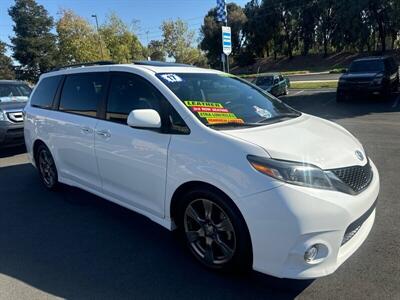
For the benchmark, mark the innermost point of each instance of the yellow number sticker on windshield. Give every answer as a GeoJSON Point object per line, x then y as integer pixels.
{"type": "Point", "coordinates": [203, 104]}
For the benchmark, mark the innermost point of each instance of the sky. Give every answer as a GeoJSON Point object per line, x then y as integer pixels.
{"type": "Point", "coordinates": [148, 13]}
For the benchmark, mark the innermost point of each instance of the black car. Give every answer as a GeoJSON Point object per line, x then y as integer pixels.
{"type": "Point", "coordinates": [371, 75]}
{"type": "Point", "coordinates": [274, 84]}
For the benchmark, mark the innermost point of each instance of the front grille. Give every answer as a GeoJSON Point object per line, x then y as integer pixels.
{"type": "Point", "coordinates": [356, 177]}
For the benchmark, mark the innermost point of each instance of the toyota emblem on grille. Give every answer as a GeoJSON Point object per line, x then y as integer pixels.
{"type": "Point", "coordinates": [359, 155]}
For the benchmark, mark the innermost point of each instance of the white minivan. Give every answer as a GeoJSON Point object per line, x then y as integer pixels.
{"type": "Point", "coordinates": [248, 181]}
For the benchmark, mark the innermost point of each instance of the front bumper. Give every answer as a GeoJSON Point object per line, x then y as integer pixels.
{"type": "Point", "coordinates": [361, 89]}
{"type": "Point", "coordinates": [285, 221]}
{"type": "Point", "coordinates": [11, 133]}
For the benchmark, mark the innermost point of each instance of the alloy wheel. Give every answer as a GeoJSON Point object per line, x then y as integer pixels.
{"type": "Point", "coordinates": [209, 231]}
{"type": "Point", "coordinates": [47, 168]}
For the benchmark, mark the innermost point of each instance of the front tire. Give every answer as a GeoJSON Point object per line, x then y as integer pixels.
{"type": "Point", "coordinates": [286, 91]}
{"type": "Point", "coordinates": [47, 168]}
{"type": "Point", "coordinates": [215, 231]}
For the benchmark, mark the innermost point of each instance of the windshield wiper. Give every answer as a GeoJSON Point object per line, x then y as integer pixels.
{"type": "Point", "coordinates": [279, 117]}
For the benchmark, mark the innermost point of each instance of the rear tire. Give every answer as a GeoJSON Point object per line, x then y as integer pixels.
{"type": "Point", "coordinates": [214, 231]}
{"type": "Point", "coordinates": [47, 168]}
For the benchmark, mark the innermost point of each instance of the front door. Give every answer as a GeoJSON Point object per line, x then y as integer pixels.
{"type": "Point", "coordinates": [132, 162]}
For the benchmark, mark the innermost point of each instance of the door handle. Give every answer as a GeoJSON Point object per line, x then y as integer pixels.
{"type": "Point", "coordinates": [103, 133]}
{"type": "Point", "coordinates": [86, 130]}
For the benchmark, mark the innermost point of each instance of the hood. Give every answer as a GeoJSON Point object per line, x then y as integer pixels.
{"type": "Point", "coordinates": [12, 105]}
{"type": "Point", "coordinates": [306, 139]}
{"type": "Point", "coordinates": [368, 75]}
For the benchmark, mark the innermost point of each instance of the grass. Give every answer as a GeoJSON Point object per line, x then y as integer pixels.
{"type": "Point", "coordinates": [313, 85]}
{"type": "Point", "coordinates": [287, 73]}
{"type": "Point", "coordinates": [283, 73]}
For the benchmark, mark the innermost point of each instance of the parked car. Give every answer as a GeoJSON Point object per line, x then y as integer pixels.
{"type": "Point", "coordinates": [369, 76]}
{"type": "Point", "coordinates": [274, 84]}
{"type": "Point", "coordinates": [13, 97]}
{"type": "Point", "coordinates": [248, 181]}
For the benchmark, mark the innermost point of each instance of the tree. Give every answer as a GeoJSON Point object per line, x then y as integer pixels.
{"type": "Point", "coordinates": [177, 38]}
{"type": "Point", "coordinates": [155, 50]}
{"type": "Point", "coordinates": [6, 67]}
{"type": "Point", "coordinates": [78, 41]}
{"type": "Point", "coordinates": [178, 42]}
{"type": "Point", "coordinates": [326, 23]}
{"type": "Point", "coordinates": [34, 46]}
{"type": "Point", "coordinates": [121, 42]}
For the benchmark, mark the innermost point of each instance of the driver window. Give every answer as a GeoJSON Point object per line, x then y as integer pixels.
{"type": "Point", "coordinates": [129, 92]}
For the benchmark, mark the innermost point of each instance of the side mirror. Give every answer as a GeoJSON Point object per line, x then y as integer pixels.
{"type": "Point", "coordinates": [144, 118]}
{"type": "Point", "coordinates": [276, 81]}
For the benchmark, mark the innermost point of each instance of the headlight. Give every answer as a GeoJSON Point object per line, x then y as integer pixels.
{"type": "Point", "coordinates": [298, 173]}
{"type": "Point", "coordinates": [378, 79]}
{"type": "Point", "coordinates": [2, 116]}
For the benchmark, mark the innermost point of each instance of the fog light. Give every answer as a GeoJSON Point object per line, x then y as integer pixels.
{"type": "Point", "coordinates": [311, 253]}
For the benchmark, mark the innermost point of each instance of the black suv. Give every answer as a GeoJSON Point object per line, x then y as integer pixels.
{"type": "Point", "coordinates": [371, 75]}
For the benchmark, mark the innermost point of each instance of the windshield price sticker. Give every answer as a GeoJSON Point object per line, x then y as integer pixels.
{"type": "Point", "coordinates": [222, 120]}
{"type": "Point", "coordinates": [203, 104]}
{"type": "Point", "coordinates": [213, 112]}
{"type": "Point", "coordinates": [217, 115]}
{"type": "Point", "coordinates": [208, 109]}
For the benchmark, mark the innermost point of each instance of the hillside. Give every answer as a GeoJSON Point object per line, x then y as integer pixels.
{"type": "Point", "coordinates": [310, 63]}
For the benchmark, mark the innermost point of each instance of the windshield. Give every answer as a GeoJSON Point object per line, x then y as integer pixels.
{"type": "Point", "coordinates": [264, 81]}
{"type": "Point", "coordinates": [14, 92]}
{"type": "Point", "coordinates": [220, 99]}
{"type": "Point", "coordinates": [366, 66]}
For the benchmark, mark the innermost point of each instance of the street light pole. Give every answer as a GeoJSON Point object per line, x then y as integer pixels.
{"type": "Point", "coordinates": [98, 35]}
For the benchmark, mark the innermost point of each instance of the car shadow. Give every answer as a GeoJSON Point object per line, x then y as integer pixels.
{"type": "Point", "coordinates": [323, 104]}
{"type": "Point", "coordinates": [12, 150]}
{"type": "Point", "coordinates": [73, 244]}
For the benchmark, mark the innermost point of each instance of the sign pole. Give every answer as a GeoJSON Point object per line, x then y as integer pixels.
{"type": "Point", "coordinates": [227, 55]}
{"type": "Point", "coordinates": [226, 46]}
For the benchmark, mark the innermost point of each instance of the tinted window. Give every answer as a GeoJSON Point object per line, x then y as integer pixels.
{"type": "Point", "coordinates": [264, 81]}
{"type": "Point", "coordinates": [45, 92]}
{"type": "Point", "coordinates": [82, 93]}
{"type": "Point", "coordinates": [129, 92]}
{"type": "Point", "coordinates": [367, 66]}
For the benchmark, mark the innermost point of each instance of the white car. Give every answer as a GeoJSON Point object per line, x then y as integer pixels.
{"type": "Point", "coordinates": [247, 180]}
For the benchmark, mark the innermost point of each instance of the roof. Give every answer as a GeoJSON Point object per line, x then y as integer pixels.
{"type": "Point", "coordinates": [12, 81]}
{"type": "Point", "coordinates": [372, 58]}
{"type": "Point", "coordinates": [153, 66]}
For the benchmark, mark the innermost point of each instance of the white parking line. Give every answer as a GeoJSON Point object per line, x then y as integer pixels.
{"type": "Point", "coordinates": [297, 93]}
{"type": "Point", "coordinates": [396, 102]}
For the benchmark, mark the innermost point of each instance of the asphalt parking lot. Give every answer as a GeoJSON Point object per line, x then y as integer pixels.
{"type": "Point", "coordinates": [74, 245]}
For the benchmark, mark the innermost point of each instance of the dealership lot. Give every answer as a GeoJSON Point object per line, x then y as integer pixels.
{"type": "Point", "coordinates": [76, 245]}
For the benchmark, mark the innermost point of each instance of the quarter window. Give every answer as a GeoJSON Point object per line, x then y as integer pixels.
{"type": "Point", "coordinates": [44, 93]}
{"type": "Point", "coordinates": [129, 92]}
{"type": "Point", "coordinates": [82, 93]}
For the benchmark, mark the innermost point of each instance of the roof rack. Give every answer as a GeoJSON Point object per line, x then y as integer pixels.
{"type": "Point", "coordinates": [94, 63]}
{"type": "Point", "coordinates": [156, 63]}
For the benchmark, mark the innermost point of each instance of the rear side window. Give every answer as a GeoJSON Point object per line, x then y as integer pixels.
{"type": "Point", "coordinates": [44, 93]}
{"type": "Point", "coordinates": [129, 92]}
{"type": "Point", "coordinates": [82, 93]}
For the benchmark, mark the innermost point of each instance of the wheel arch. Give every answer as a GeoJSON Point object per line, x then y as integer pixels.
{"type": "Point", "coordinates": [190, 185]}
